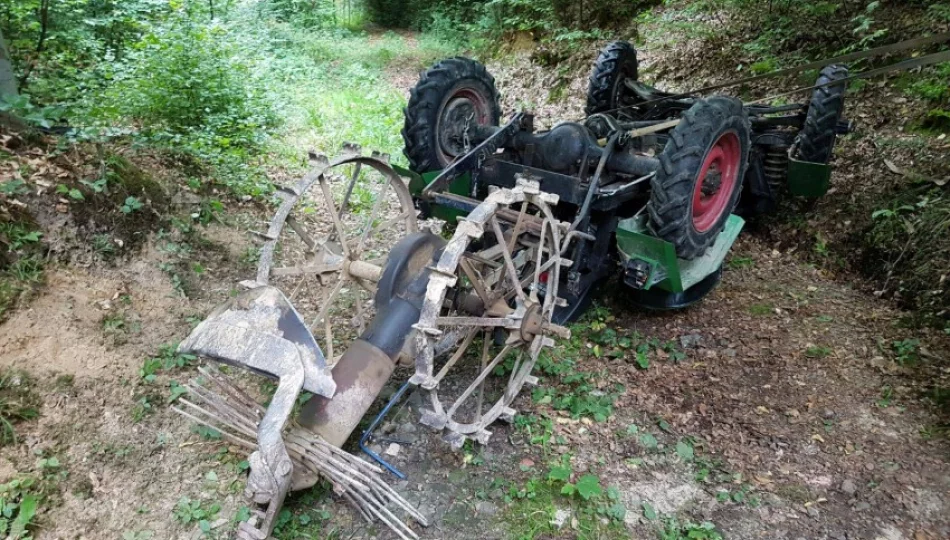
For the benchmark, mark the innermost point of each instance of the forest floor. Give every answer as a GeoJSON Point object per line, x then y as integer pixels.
{"type": "Point", "coordinates": [788, 404]}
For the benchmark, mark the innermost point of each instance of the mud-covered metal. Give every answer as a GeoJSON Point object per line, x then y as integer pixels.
{"type": "Point", "coordinates": [261, 331]}
{"type": "Point", "coordinates": [336, 260]}
{"type": "Point", "coordinates": [513, 271]}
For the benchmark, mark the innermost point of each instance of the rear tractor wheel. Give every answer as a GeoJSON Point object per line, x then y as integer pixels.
{"type": "Point", "coordinates": [451, 99]}
{"type": "Point", "coordinates": [700, 175]}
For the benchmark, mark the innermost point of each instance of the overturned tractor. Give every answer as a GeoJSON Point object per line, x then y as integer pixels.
{"type": "Point", "coordinates": [352, 282]}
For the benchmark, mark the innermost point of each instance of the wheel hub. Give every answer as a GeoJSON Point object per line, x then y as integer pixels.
{"type": "Point", "coordinates": [457, 119]}
{"type": "Point", "coordinates": [716, 182]}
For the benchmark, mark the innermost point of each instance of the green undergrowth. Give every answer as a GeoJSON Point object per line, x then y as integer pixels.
{"type": "Point", "coordinates": [334, 88]}
{"type": "Point", "coordinates": [306, 516]}
{"type": "Point", "coordinates": [575, 374]}
{"type": "Point", "coordinates": [241, 87]}
{"type": "Point", "coordinates": [18, 402]}
{"type": "Point", "coordinates": [25, 498]}
{"type": "Point", "coordinates": [908, 247]}
{"type": "Point", "coordinates": [22, 261]}
{"type": "Point", "coordinates": [562, 500]}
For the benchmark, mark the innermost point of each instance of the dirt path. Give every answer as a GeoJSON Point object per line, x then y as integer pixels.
{"type": "Point", "coordinates": [782, 409]}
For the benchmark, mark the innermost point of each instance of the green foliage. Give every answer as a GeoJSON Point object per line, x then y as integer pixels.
{"type": "Point", "coordinates": [18, 505]}
{"type": "Point", "coordinates": [168, 359]}
{"type": "Point", "coordinates": [17, 235]}
{"type": "Point", "coordinates": [558, 20]}
{"type": "Point", "coordinates": [181, 80]}
{"type": "Point", "coordinates": [130, 205]}
{"type": "Point", "coordinates": [188, 511]}
{"type": "Point", "coordinates": [14, 187]}
{"type": "Point", "coordinates": [906, 351]}
{"type": "Point", "coordinates": [22, 107]}
{"type": "Point", "coordinates": [18, 402]}
{"type": "Point", "coordinates": [21, 498]}
{"type": "Point", "coordinates": [673, 529]}
{"type": "Point", "coordinates": [914, 216]}
{"type": "Point", "coordinates": [304, 516]}
{"type": "Point", "coordinates": [598, 512]}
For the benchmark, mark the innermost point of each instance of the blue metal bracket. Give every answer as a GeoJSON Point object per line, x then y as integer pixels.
{"type": "Point", "coordinates": [368, 434]}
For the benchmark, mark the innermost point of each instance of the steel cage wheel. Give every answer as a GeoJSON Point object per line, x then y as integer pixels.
{"type": "Point", "coordinates": [504, 260]}
{"type": "Point", "coordinates": [327, 244]}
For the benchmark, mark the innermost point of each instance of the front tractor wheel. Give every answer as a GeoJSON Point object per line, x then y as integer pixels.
{"type": "Point", "coordinates": [451, 99]}
{"type": "Point", "coordinates": [816, 142]}
{"type": "Point", "coordinates": [607, 90]}
{"type": "Point", "coordinates": [700, 175]}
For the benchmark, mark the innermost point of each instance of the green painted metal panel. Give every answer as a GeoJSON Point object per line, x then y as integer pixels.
{"type": "Point", "coordinates": [806, 179]}
{"type": "Point", "coordinates": [634, 241]}
{"type": "Point", "coordinates": [460, 186]}
{"type": "Point", "coordinates": [670, 272]}
{"type": "Point", "coordinates": [416, 183]}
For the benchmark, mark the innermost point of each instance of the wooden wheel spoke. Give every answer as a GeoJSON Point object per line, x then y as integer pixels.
{"type": "Point", "coordinates": [349, 188]}
{"type": "Point", "coordinates": [328, 301]}
{"type": "Point", "coordinates": [476, 282]}
{"type": "Point", "coordinates": [389, 223]}
{"type": "Point", "coordinates": [368, 224]}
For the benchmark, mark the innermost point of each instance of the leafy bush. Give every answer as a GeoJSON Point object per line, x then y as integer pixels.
{"type": "Point", "coordinates": [182, 84]}
{"type": "Point", "coordinates": [495, 17]}
{"type": "Point", "coordinates": [916, 217]}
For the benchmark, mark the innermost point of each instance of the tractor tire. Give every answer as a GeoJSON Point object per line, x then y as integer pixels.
{"type": "Point", "coordinates": [616, 63]}
{"type": "Point", "coordinates": [439, 112]}
{"type": "Point", "coordinates": [700, 176]}
{"type": "Point", "coordinates": [816, 141]}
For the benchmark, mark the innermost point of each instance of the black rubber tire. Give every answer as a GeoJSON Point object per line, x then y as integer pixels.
{"type": "Point", "coordinates": [671, 195]}
{"type": "Point", "coordinates": [616, 62]}
{"type": "Point", "coordinates": [427, 99]}
{"type": "Point", "coordinates": [816, 141]}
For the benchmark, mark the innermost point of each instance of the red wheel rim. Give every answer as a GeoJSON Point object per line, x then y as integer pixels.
{"type": "Point", "coordinates": [716, 181]}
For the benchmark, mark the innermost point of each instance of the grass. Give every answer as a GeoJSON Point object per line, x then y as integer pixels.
{"type": "Point", "coordinates": [24, 274]}
{"type": "Point", "coordinates": [18, 402]}
{"type": "Point", "coordinates": [330, 85]}
{"type": "Point", "coordinates": [533, 509]}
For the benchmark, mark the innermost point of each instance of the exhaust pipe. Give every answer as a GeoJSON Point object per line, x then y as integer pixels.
{"type": "Point", "coordinates": [365, 368]}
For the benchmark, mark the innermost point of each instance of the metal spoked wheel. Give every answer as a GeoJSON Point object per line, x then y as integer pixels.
{"type": "Point", "coordinates": [487, 312]}
{"type": "Point", "coordinates": [328, 242]}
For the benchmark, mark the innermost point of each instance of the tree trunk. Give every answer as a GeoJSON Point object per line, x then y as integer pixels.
{"type": "Point", "coordinates": [7, 77]}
